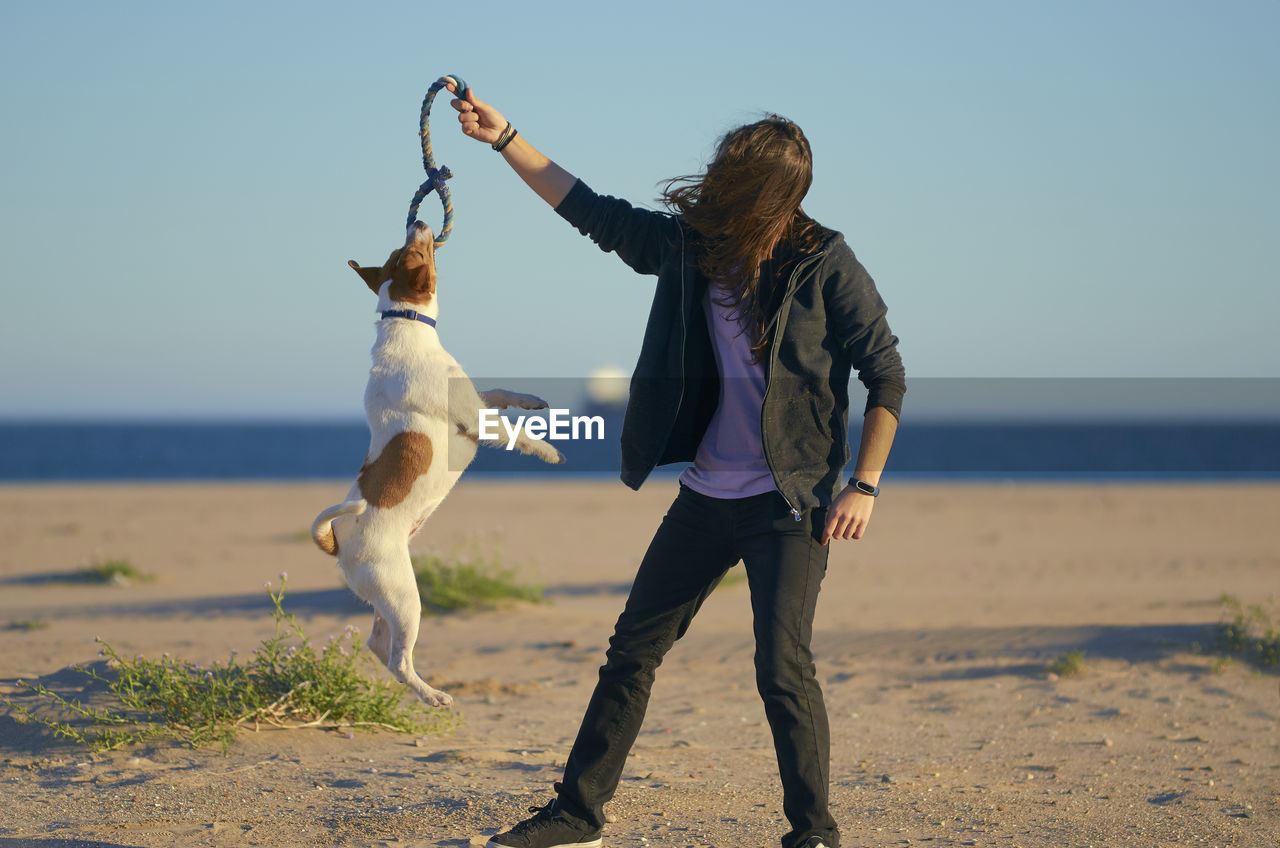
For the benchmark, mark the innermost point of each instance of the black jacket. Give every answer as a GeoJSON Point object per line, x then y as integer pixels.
{"type": "Point", "coordinates": [830, 321]}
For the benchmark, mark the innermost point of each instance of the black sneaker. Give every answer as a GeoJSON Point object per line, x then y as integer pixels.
{"type": "Point", "coordinates": [814, 842]}
{"type": "Point", "coordinates": [547, 829]}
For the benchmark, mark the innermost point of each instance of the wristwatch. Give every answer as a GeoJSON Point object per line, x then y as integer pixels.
{"type": "Point", "coordinates": [864, 487]}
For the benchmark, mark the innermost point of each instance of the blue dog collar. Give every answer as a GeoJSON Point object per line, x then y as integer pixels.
{"type": "Point", "coordinates": [411, 315]}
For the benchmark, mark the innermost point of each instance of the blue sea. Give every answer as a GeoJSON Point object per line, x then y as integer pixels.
{"type": "Point", "coordinates": [51, 451]}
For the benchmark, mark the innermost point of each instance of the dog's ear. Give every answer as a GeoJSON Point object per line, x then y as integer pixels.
{"type": "Point", "coordinates": [369, 275]}
{"type": "Point", "coordinates": [375, 277]}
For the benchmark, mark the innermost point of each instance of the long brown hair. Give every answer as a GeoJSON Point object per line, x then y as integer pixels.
{"type": "Point", "coordinates": [746, 208]}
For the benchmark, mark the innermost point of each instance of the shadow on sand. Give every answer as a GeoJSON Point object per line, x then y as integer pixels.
{"type": "Point", "coordinates": [965, 653]}
{"type": "Point", "coordinates": [337, 601]}
{"type": "Point", "coordinates": [1021, 651]}
{"type": "Point", "coordinates": [75, 578]}
{"type": "Point", "coordinates": [578, 590]}
{"type": "Point", "coordinates": [32, 739]}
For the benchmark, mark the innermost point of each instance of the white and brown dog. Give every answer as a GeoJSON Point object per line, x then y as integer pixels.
{"type": "Point", "coordinates": [424, 417]}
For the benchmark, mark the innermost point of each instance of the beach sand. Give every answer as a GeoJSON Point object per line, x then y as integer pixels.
{"type": "Point", "coordinates": [932, 638]}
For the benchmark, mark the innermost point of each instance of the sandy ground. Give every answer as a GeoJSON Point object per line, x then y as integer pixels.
{"type": "Point", "coordinates": [932, 638]}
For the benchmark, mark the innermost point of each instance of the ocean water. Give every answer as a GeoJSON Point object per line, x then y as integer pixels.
{"type": "Point", "coordinates": [49, 451]}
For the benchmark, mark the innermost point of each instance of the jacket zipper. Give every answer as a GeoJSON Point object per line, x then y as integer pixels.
{"type": "Point", "coordinates": [684, 330]}
{"type": "Point", "coordinates": [773, 359]}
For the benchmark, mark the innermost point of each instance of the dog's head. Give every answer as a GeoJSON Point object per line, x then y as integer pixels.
{"type": "Point", "coordinates": [411, 269]}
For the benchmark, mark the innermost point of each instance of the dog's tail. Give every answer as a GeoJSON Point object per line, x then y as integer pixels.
{"type": "Point", "coordinates": [322, 527]}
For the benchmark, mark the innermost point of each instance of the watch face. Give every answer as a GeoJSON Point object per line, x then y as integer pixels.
{"type": "Point", "coordinates": [865, 487]}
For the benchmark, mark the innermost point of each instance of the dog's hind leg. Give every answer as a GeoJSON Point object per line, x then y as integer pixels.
{"type": "Point", "coordinates": [379, 641]}
{"type": "Point", "coordinates": [400, 612]}
{"type": "Point", "coordinates": [403, 626]}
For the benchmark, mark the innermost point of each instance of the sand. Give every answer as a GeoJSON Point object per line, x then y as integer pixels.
{"type": "Point", "coordinates": [932, 636]}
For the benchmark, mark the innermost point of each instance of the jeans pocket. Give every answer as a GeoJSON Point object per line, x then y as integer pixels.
{"type": "Point", "coordinates": [818, 522]}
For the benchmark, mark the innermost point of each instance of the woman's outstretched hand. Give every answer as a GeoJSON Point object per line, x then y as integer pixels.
{"type": "Point", "coordinates": [479, 120]}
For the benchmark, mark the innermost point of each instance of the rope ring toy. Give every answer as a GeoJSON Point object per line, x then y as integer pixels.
{"type": "Point", "coordinates": [435, 176]}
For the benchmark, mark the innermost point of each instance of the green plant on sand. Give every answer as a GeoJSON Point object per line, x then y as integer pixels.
{"type": "Point", "coordinates": [1070, 663]}
{"type": "Point", "coordinates": [1248, 631]}
{"type": "Point", "coordinates": [456, 583]}
{"type": "Point", "coordinates": [28, 624]}
{"type": "Point", "coordinates": [111, 571]}
{"type": "Point", "coordinates": [287, 682]}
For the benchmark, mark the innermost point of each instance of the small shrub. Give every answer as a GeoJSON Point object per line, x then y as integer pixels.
{"type": "Point", "coordinates": [1067, 665]}
{"type": "Point", "coordinates": [457, 584]}
{"type": "Point", "coordinates": [1248, 631]}
{"type": "Point", "coordinates": [111, 571]}
{"type": "Point", "coordinates": [286, 683]}
{"type": "Point", "coordinates": [28, 624]}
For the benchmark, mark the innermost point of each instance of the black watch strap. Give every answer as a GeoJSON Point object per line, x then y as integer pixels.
{"type": "Point", "coordinates": [864, 487]}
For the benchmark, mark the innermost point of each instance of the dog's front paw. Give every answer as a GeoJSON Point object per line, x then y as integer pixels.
{"type": "Point", "coordinates": [528, 401]}
{"type": "Point", "coordinates": [503, 399]}
{"type": "Point", "coordinates": [550, 455]}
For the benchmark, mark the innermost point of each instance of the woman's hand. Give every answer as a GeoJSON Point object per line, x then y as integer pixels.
{"type": "Point", "coordinates": [485, 123]}
{"type": "Point", "coordinates": [848, 515]}
{"type": "Point", "coordinates": [479, 120]}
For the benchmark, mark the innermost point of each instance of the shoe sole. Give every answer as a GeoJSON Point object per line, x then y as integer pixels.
{"type": "Point", "coordinates": [595, 843]}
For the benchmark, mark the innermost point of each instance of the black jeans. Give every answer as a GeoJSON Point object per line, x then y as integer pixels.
{"type": "Point", "coordinates": [699, 540]}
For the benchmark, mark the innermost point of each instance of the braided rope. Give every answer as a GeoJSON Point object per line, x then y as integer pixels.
{"type": "Point", "coordinates": [435, 176]}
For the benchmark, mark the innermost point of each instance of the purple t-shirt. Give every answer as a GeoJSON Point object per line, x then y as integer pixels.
{"type": "Point", "coordinates": [730, 460]}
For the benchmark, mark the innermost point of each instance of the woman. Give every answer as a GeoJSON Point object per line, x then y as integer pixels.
{"type": "Point", "coordinates": [758, 317]}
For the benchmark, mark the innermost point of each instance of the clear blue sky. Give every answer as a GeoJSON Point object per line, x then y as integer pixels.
{"type": "Point", "coordinates": [1079, 189]}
